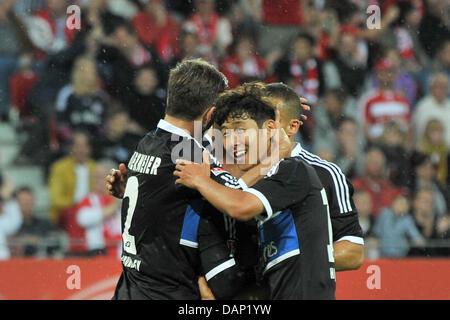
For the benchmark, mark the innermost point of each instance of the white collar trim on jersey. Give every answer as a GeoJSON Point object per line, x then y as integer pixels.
{"type": "Point", "coordinates": [163, 124]}
{"type": "Point", "coordinates": [297, 149]}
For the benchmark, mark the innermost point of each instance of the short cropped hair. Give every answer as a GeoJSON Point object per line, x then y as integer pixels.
{"type": "Point", "coordinates": [194, 85]}
{"type": "Point", "coordinates": [291, 101]}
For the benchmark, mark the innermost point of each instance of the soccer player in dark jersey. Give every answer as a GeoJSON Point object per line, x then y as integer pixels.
{"type": "Point", "coordinates": [347, 234]}
{"type": "Point", "coordinates": [290, 203]}
{"type": "Point", "coordinates": [166, 244]}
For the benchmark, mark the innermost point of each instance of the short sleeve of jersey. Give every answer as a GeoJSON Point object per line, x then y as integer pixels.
{"type": "Point", "coordinates": [343, 213]}
{"type": "Point", "coordinates": [287, 183]}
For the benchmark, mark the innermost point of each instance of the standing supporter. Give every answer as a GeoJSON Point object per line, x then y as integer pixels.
{"type": "Point", "coordinates": [213, 32]}
{"type": "Point", "coordinates": [245, 64]}
{"type": "Point", "coordinates": [94, 224]}
{"type": "Point", "coordinates": [384, 104]}
{"type": "Point", "coordinates": [155, 26]}
{"type": "Point", "coordinates": [10, 222]}
{"type": "Point", "coordinates": [373, 180]}
{"type": "Point", "coordinates": [81, 105]}
{"type": "Point", "coordinates": [145, 101]}
{"type": "Point", "coordinates": [70, 178]}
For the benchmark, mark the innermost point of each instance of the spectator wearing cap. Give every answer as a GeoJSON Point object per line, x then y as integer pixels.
{"type": "Point", "coordinates": [435, 105]}
{"type": "Point", "coordinates": [384, 104]}
{"type": "Point", "coordinates": [156, 27]}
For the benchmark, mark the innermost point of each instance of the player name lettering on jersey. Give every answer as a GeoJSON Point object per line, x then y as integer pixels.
{"type": "Point", "coordinates": [144, 163]}
{"type": "Point", "coordinates": [130, 262]}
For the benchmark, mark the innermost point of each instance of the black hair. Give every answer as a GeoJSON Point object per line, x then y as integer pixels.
{"type": "Point", "coordinates": [291, 101]}
{"type": "Point", "coordinates": [307, 36]}
{"type": "Point", "coordinates": [194, 85]}
{"type": "Point", "coordinates": [23, 189]}
{"type": "Point", "coordinates": [246, 101]}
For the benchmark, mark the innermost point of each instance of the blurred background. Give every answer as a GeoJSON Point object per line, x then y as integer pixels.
{"type": "Point", "coordinates": [74, 103]}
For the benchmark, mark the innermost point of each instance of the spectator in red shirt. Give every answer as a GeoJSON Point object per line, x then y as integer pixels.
{"type": "Point", "coordinates": [381, 190]}
{"type": "Point", "coordinates": [156, 27]}
{"type": "Point", "coordinates": [283, 12]}
{"type": "Point", "coordinates": [244, 65]}
{"type": "Point", "coordinates": [384, 104]}
{"type": "Point", "coordinates": [213, 32]}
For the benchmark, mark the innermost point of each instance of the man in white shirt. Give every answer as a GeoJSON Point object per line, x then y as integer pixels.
{"type": "Point", "coordinates": [436, 105]}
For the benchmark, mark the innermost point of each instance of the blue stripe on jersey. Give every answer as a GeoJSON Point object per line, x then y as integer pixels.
{"type": "Point", "coordinates": [340, 183]}
{"type": "Point", "coordinates": [190, 228]}
{"type": "Point", "coordinates": [278, 239]}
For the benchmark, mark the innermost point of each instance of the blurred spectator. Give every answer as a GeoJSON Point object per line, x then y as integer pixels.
{"type": "Point", "coordinates": [384, 104]}
{"type": "Point", "coordinates": [433, 144]}
{"type": "Point", "coordinates": [327, 116]}
{"type": "Point", "coordinates": [213, 32]}
{"type": "Point", "coordinates": [405, 32]}
{"type": "Point", "coordinates": [95, 222]}
{"type": "Point", "coordinates": [346, 68]}
{"type": "Point", "coordinates": [244, 65]}
{"type": "Point", "coordinates": [81, 105]}
{"type": "Point", "coordinates": [10, 222]}
{"type": "Point", "coordinates": [431, 226]}
{"type": "Point", "coordinates": [436, 105]}
{"type": "Point", "coordinates": [117, 142]}
{"type": "Point", "coordinates": [281, 21]}
{"type": "Point", "coordinates": [155, 26]}
{"type": "Point", "coordinates": [48, 30]}
{"type": "Point", "coordinates": [440, 64]}
{"type": "Point", "coordinates": [349, 148]}
{"type": "Point", "coordinates": [70, 178]}
{"type": "Point", "coordinates": [6, 188]}
{"type": "Point", "coordinates": [393, 144]}
{"type": "Point", "coordinates": [363, 203]}
{"type": "Point", "coordinates": [145, 101]}
{"type": "Point", "coordinates": [424, 177]}
{"type": "Point", "coordinates": [373, 180]}
{"type": "Point", "coordinates": [396, 229]}
{"type": "Point", "coordinates": [435, 26]}
{"type": "Point", "coordinates": [13, 44]}
{"type": "Point", "coordinates": [36, 237]}
{"type": "Point", "coordinates": [300, 69]}
{"type": "Point", "coordinates": [188, 46]}
{"type": "Point", "coordinates": [121, 54]}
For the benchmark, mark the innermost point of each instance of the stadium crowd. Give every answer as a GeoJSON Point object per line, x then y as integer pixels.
{"type": "Point", "coordinates": [380, 104]}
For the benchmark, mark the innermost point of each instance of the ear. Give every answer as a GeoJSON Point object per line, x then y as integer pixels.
{"type": "Point", "coordinates": [208, 114]}
{"type": "Point", "coordinates": [272, 127]}
{"type": "Point", "coordinates": [292, 128]}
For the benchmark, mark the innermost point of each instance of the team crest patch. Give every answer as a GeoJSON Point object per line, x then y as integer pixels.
{"type": "Point", "coordinates": [217, 171]}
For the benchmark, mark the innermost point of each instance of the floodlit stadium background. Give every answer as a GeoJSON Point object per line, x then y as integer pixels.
{"type": "Point", "coordinates": [376, 74]}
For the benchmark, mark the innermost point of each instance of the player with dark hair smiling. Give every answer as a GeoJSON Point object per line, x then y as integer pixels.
{"type": "Point", "coordinates": [296, 253]}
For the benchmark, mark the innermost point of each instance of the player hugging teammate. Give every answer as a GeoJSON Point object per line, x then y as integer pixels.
{"type": "Point", "coordinates": [267, 225]}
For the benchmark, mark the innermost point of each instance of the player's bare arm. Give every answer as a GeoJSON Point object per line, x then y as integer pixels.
{"type": "Point", "coordinates": [236, 203]}
{"type": "Point", "coordinates": [348, 255]}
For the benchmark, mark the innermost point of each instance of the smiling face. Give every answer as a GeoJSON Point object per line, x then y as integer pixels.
{"type": "Point", "coordinates": [241, 138]}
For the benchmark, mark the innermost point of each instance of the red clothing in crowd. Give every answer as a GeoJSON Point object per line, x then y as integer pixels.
{"type": "Point", "coordinates": [238, 71]}
{"type": "Point", "coordinates": [206, 33]}
{"type": "Point", "coordinates": [306, 79]}
{"type": "Point", "coordinates": [380, 107]}
{"type": "Point", "coordinates": [88, 231]}
{"type": "Point", "coordinates": [283, 12]}
{"type": "Point", "coordinates": [20, 85]}
{"type": "Point", "coordinates": [162, 37]}
{"type": "Point", "coordinates": [382, 192]}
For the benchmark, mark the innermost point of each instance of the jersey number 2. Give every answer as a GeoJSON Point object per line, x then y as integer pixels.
{"type": "Point", "coordinates": [131, 192]}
